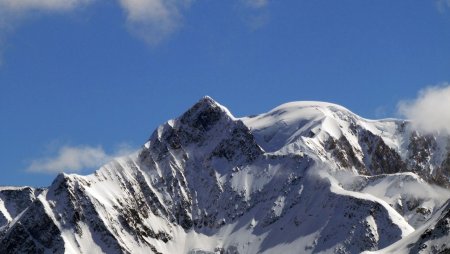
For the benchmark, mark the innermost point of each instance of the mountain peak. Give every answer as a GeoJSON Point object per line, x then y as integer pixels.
{"type": "Point", "coordinates": [208, 102]}
{"type": "Point", "coordinates": [205, 113]}
{"type": "Point", "coordinates": [207, 99]}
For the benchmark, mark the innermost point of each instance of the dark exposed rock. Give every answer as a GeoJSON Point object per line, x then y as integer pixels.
{"type": "Point", "coordinates": [379, 158]}
{"type": "Point", "coordinates": [34, 232]}
{"type": "Point", "coordinates": [442, 174]}
{"type": "Point", "coordinates": [420, 149]}
{"type": "Point", "coordinates": [203, 115]}
{"type": "Point", "coordinates": [343, 152]}
{"type": "Point", "coordinates": [440, 228]}
{"type": "Point", "coordinates": [241, 143]}
{"type": "Point", "coordinates": [16, 200]}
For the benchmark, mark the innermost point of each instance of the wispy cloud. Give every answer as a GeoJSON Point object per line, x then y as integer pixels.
{"type": "Point", "coordinates": [13, 12]}
{"type": "Point", "coordinates": [76, 159]}
{"type": "Point", "coordinates": [429, 112]}
{"type": "Point", "coordinates": [154, 20]}
{"type": "Point", "coordinates": [19, 6]}
{"type": "Point", "coordinates": [254, 13]}
{"type": "Point", "coordinates": [256, 3]}
{"type": "Point", "coordinates": [442, 5]}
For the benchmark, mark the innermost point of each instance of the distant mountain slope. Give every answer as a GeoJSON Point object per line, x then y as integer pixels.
{"type": "Point", "coordinates": [14, 200]}
{"type": "Point", "coordinates": [307, 177]}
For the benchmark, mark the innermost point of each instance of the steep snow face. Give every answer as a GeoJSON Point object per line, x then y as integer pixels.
{"type": "Point", "coordinates": [208, 182]}
{"type": "Point", "coordinates": [433, 237]}
{"type": "Point", "coordinates": [333, 134]}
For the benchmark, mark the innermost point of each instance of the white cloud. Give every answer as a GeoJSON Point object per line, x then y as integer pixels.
{"type": "Point", "coordinates": [154, 20]}
{"type": "Point", "coordinates": [13, 11]}
{"type": "Point", "coordinates": [256, 3]}
{"type": "Point", "coordinates": [430, 111]}
{"type": "Point", "coordinates": [76, 159]}
{"type": "Point", "coordinates": [18, 6]}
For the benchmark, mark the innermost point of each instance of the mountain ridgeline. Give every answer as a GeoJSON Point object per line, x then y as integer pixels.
{"type": "Point", "coordinates": [305, 177]}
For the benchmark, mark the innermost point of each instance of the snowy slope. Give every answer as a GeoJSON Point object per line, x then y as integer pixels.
{"type": "Point", "coordinates": [288, 181]}
{"type": "Point", "coordinates": [413, 198]}
{"type": "Point", "coordinates": [333, 134]}
{"type": "Point", "coordinates": [432, 237]}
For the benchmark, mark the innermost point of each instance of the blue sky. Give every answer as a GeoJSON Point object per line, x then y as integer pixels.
{"type": "Point", "coordinates": [94, 78]}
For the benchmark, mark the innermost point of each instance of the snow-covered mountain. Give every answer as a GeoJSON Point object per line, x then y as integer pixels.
{"type": "Point", "coordinates": [306, 177]}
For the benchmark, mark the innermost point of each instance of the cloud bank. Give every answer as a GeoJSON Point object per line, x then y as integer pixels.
{"type": "Point", "coordinates": [76, 159]}
{"type": "Point", "coordinates": [430, 111]}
